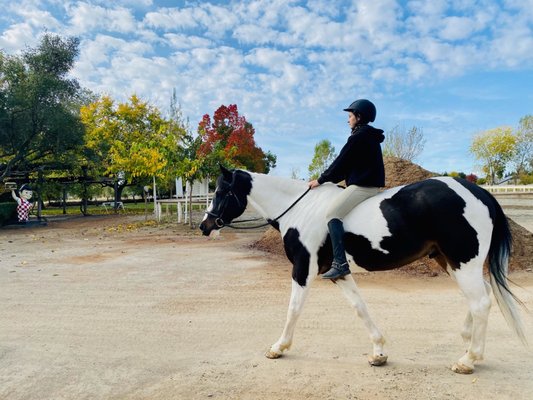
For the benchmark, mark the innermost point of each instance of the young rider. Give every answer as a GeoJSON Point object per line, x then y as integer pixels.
{"type": "Point", "coordinates": [360, 164]}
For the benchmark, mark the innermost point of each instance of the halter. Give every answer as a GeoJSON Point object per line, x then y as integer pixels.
{"type": "Point", "coordinates": [219, 222]}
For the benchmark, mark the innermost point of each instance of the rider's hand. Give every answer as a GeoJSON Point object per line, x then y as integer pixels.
{"type": "Point", "coordinates": [313, 184]}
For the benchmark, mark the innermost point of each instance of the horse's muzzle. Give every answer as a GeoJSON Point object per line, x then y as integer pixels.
{"type": "Point", "coordinates": [209, 224]}
{"type": "Point", "coordinates": [205, 230]}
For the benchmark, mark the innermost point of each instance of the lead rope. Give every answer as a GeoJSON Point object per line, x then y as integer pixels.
{"type": "Point", "coordinates": [269, 221]}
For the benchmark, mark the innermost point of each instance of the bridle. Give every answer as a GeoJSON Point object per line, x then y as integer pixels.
{"type": "Point", "coordinates": [219, 221]}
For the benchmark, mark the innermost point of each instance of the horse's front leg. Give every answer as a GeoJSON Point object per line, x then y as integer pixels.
{"type": "Point", "coordinates": [298, 297]}
{"type": "Point", "coordinates": [350, 290]}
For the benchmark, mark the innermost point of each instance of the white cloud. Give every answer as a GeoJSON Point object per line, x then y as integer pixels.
{"type": "Point", "coordinates": [85, 18]}
{"type": "Point", "coordinates": [217, 20]}
{"type": "Point", "coordinates": [38, 19]}
{"type": "Point", "coordinates": [268, 58]}
{"type": "Point", "coordinates": [182, 41]}
{"type": "Point", "coordinates": [456, 28]}
{"type": "Point", "coordinates": [513, 41]}
{"type": "Point", "coordinates": [17, 36]}
{"type": "Point", "coordinates": [250, 33]}
{"type": "Point", "coordinates": [416, 68]}
{"type": "Point", "coordinates": [171, 19]}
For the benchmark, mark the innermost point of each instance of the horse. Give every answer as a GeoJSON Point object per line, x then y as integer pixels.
{"type": "Point", "coordinates": [454, 221]}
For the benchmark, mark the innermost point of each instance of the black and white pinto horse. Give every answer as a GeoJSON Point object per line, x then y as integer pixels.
{"type": "Point", "coordinates": [456, 222]}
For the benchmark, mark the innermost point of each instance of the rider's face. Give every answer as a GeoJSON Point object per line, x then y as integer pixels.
{"type": "Point", "coordinates": [352, 119]}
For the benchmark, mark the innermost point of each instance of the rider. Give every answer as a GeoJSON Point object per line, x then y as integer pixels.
{"type": "Point", "coordinates": [360, 164]}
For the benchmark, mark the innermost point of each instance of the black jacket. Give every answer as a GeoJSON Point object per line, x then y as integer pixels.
{"type": "Point", "coordinates": [360, 161]}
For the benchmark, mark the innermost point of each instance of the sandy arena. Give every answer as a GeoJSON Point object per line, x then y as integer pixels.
{"type": "Point", "coordinates": [112, 308]}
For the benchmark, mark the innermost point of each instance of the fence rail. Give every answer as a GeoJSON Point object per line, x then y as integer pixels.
{"type": "Point", "coordinates": [510, 189]}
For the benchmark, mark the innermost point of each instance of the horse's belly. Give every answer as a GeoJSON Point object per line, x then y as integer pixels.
{"type": "Point", "coordinates": [393, 252]}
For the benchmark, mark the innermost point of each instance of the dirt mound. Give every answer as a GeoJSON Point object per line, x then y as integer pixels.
{"type": "Point", "coordinates": [522, 254]}
{"type": "Point", "coordinates": [401, 172]}
{"type": "Point", "coordinates": [270, 242]}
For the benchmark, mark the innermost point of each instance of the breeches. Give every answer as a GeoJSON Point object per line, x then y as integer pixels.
{"type": "Point", "coordinates": [348, 199]}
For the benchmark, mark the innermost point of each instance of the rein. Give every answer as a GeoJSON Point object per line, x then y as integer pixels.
{"type": "Point", "coordinates": [269, 221]}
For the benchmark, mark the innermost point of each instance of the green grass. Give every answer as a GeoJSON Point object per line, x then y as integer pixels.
{"type": "Point", "coordinates": [129, 208]}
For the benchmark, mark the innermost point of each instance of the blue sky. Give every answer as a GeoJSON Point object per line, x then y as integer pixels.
{"type": "Point", "coordinates": [452, 68]}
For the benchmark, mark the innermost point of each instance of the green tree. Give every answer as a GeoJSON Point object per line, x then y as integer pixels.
{"type": "Point", "coordinates": [404, 144]}
{"type": "Point", "coordinates": [39, 106]}
{"type": "Point", "coordinates": [324, 155]}
{"type": "Point", "coordinates": [494, 148]}
{"type": "Point", "coordinates": [523, 156]}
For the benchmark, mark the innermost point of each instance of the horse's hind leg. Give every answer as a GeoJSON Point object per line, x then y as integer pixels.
{"type": "Point", "coordinates": [350, 290]}
{"type": "Point", "coordinates": [470, 279]}
{"type": "Point", "coordinates": [298, 297]}
{"type": "Point", "coordinates": [466, 333]}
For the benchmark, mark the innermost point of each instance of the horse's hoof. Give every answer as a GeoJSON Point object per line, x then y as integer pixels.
{"type": "Point", "coordinates": [462, 369]}
{"type": "Point", "coordinates": [377, 361]}
{"type": "Point", "coordinates": [270, 354]}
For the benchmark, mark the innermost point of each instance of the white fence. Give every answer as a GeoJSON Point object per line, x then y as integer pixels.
{"type": "Point", "coordinates": [197, 195]}
{"type": "Point", "coordinates": [511, 189]}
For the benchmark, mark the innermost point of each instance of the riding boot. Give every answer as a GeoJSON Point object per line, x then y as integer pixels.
{"type": "Point", "coordinates": [339, 267]}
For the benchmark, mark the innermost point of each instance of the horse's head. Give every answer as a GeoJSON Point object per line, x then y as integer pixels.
{"type": "Point", "coordinates": [229, 202]}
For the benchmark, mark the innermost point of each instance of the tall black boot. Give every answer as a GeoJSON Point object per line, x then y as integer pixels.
{"type": "Point", "coordinates": [339, 267]}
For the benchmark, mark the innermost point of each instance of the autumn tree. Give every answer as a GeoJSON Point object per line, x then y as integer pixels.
{"type": "Point", "coordinates": [39, 105]}
{"type": "Point", "coordinates": [494, 148]}
{"type": "Point", "coordinates": [228, 138]}
{"type": "Point", "coordinates": [322, 158]}
{"type": "Point", "coordinates": [130, 141]}
{"type": "Point", "coordinates": [406, 144]}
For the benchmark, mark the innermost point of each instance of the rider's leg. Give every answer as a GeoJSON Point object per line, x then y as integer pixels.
{"type": "Point", "coordinates": [339, 267]}
{"type": "Point", "coordinates": [338, 209]}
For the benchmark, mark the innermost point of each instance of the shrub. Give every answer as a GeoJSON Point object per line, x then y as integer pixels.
{"type": "Point", "coordinates": [7, 212]}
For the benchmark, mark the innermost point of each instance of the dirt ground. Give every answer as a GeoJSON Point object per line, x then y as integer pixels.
{"type": "Point", "coordinates": [114, 308]}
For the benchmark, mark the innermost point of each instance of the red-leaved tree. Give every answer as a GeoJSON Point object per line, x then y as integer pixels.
{"type": "Point", "coordinates": [229, 138]}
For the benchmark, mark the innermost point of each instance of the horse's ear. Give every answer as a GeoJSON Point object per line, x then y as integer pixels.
{"type": "Point", "coordinates": [226, 173]}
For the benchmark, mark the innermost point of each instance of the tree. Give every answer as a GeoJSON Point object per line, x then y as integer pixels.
{"type": "Point", "coordinates": [471, 178]}
{"type": "Point", "coordinates": [324, 155]}
{"type": "Point", "coordinates": [229, 139]}
{"type": "Point", "coordinates": [404, 144]}
{"type": "Point", "coordinates": [295, 173]}
{"type": "Point", "coordinates": [130, 141]}
{"type": "Point", "coordinates": [523, 156]}
{"type": "Point", "coordinates": [39, 105]}
{"type": "Point", "coordinates": [495, 148]}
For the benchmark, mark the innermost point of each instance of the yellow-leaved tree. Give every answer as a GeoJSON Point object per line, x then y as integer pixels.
{"type": "Point", "coordinates": [130, 141]}
{"type": "Point", "coordinates": [494, 148]}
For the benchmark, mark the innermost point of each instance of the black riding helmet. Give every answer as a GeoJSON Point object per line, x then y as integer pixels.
{"type": "Point", "coordinates": [365, 108]}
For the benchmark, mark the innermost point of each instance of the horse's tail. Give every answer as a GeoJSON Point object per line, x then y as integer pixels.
{"type": "Point", "coordinates": [498, 260]}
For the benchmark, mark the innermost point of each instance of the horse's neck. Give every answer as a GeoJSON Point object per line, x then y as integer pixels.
{"type": "Point", "coordinates": [272, 195]}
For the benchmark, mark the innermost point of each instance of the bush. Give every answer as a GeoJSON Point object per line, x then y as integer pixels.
{"type": "Point", "coordinates": [526, 179]}
{"type": "Point", "coordinates": [7, 212]}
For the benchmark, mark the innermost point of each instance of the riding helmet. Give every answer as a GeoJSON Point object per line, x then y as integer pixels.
{"type": "Point", "coordinates": [365, 108]}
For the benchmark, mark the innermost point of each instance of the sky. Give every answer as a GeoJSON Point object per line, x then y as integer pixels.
{"type": "Point", "coordinates": [452, 68]}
